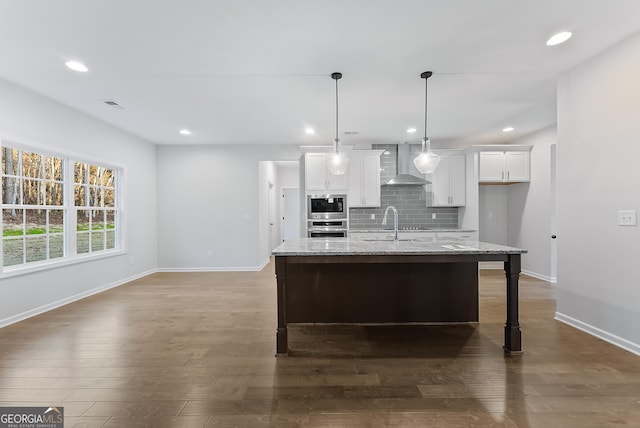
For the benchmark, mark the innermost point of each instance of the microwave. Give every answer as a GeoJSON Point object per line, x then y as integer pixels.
{"type": "Point", "coordinates": [327, 206]}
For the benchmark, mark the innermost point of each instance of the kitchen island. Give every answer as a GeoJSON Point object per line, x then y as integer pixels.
{"type": "Point", "coordinates": [381, 280]}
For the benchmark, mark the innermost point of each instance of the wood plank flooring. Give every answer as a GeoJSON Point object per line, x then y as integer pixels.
{"type": "Point", "coordinates": [197, 350]}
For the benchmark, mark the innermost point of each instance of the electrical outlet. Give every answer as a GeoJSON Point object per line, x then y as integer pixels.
{"type": "Point", "coordinates": [433, 216]}
{"type": "Point", "coordinates": [627, 218]}
{"type": "Point", "coordinates": [210, 253]}
{"type": "Point", "coordinates": [373, 216]}
{"type": "Point", "coordinates": [132, 260]}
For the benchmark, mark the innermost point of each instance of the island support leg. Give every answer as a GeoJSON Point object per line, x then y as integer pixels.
{"type": "Point", "coordinates": [282, 346]}
{"type": "Point", "coordinates": [512, 333]}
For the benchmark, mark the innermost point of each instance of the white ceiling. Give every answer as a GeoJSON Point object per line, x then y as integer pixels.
{"type": "Point", "coordinates": [258, 71]}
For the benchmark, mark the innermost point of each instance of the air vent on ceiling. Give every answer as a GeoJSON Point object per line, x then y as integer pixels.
{"type": "Point", "coordinates": [113, 104]}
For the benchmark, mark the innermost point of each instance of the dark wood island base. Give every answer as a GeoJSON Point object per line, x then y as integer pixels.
{"type": "Point", "coordinates": [431, 288]}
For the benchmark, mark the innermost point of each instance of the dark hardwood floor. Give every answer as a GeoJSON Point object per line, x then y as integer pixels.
{"type": "Point", "coordinates": [197, 349]}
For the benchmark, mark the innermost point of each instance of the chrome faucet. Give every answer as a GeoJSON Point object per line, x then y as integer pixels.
{"type": "Point", "coordinates": [395, 220]}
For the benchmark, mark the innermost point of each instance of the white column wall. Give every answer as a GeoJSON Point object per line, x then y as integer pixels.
{"type": "Point", "coordinates": [31, 119]}
{"type": "Point", "coordinates": [598, 174]}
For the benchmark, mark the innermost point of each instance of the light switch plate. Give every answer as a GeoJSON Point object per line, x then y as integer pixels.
{"type": "Point", "coordinates": [627, 218]}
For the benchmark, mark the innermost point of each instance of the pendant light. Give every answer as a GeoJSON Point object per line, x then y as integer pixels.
{"type": "Point", "coordinates": [337, 162]}
{"type": "Point", "coordinates": [427, 161]}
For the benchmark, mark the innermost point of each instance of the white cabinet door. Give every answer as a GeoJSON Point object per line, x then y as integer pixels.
{"type": "Point", "coordinates": [440, 184]}
{"type": "Point", "coordinates": [492, 166]}
{"type": "Point", "coordinates": [504, 167]}
{"type": "Point", "coordinates": [355, 182]}
{"type": "Point", "coordinates": [315, 171]}
{"type": "Point", "coordinates": [337, 182]}
{"type": "Point", "coordinates": [458, 171]}
{"type": "Point", "coordinates": [517, 166]}
{"type": "Point", "coordinates": [371, 180]}
{"type": "Point", "coordinates": [318, 177]}
{"type": "Point", "coordinates": [364, 179]}
{"type": "Point", "coordinates": [448, 182]}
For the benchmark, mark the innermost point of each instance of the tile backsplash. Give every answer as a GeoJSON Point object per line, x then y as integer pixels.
{"type": "Point", "coordinates": [410, 201]}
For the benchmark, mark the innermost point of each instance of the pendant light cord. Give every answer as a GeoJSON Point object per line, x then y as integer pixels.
{"type": "Point", "coordinates": [425, 107]}
{"type": "Point", "coordinates": [336, 109]}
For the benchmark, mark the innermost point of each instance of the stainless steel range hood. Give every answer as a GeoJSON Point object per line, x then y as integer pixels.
{"type": "Point", "coordinates": [402, 169]}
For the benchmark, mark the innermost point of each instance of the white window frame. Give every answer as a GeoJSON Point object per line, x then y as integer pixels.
{"type": "Point", "coordinates": [70, 212]}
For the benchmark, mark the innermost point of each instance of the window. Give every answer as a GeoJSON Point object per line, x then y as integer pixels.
{"type": "Point", "coordinates": [38, 224]}
{"type": "Point", "coordinates": [94, 196]}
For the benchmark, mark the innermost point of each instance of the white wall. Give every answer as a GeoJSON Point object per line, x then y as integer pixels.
{"type": "Point", "coordinates": [493, 214]}
{"type": "Point", "coordinates": [529, 207]}
{"type": "Point", "coordinates": [31, 119]}
{"type": "Point", "coordinates": [208, 199]}
{"type": "Point", "coordinates": [598, 174]}
{"type": "Point", "coordinates": [289, 176]}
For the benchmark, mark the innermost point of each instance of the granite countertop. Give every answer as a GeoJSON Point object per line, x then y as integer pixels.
{"type": "Point", "coordinates": [435, 229]}
{"type": "Point", "coordinates": [364, 246]}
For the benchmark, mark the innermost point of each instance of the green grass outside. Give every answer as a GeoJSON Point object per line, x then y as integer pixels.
{"type": "Point", "coordinates": [95, 226]}
{"type": "Point", "coordinates": [42, 230]}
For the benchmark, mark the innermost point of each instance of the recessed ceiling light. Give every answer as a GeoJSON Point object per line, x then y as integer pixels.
{"type": "Point", "coordinates": [309, 131]}
{"type": "Point", "coordinates": [556, 39]}
{"type": "Point", "coordinates": [411, 130]}
{"type": "Point", "coordinates": [185, 132]}
{"type": "Point", "coordinates": [77, 66]}
{"type": "Point", "coordinates": [507, 129]}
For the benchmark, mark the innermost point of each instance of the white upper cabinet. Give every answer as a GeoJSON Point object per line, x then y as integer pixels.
{"type": "Point", "coordinates": [448, 182]}
{"type": "Point", "coordinates": [504, 166]}
{"type": "Point", "coordinates": [317, 175]}
{"type": "Point", "coordinates": [364, 178]}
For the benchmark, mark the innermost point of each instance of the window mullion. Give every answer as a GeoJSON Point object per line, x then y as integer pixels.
{"type": "Point", "coordinates": [71, 211]}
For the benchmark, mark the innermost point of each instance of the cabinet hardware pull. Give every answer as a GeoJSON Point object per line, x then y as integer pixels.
{"type": "Point", "coordinates": [507, 175]}
{"type": "Point", "coordinates": [503, 175]}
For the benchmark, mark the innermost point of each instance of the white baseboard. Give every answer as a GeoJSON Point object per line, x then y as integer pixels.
{"type": "Point", "coordinates": [551, 279]}
{"type": "Point", "coordinates": [217, 269]}
{"type": "Point", "coordinates": [618, 341]}
{"type": "Point", "coordinates": [500, 266]}
{"type": "Point", "coordinates": [50, 306]}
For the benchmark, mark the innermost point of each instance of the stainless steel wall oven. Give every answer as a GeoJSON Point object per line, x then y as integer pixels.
{"type": "Point", "coordinates": [327, 207]}
{"type": "Point", "coordinates": [326, 228]}
{"type": "Point", "coordinates": [327, 216]}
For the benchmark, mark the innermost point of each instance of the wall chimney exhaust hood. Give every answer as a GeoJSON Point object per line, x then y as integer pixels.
{"type": "Point", "coordinates": [403, 162]}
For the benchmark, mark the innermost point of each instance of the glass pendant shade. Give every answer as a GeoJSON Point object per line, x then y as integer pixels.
{"type": "Point", "coordinates": [337, 162]}
{"type": "Point", "coordinates": [427, 161]}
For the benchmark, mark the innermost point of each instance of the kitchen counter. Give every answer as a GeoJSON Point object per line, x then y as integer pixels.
{"type": "Point", "coordinates": [435, 229]}
{"type": "Point", "coordinates": [377, 280]}
{"type": "Point", "coordinates": [384, 246]}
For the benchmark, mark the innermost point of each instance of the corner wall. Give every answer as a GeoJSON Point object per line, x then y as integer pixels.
{"type": "Point", "coordinates": [598, 174]}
